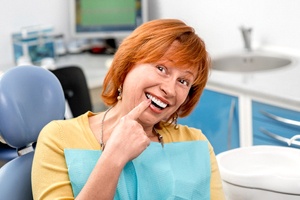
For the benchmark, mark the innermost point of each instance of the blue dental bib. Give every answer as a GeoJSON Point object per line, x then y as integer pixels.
{"type": "Point", "coordinates": [180, 170]}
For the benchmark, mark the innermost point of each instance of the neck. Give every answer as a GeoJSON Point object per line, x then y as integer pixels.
{"type": "Point", "coordinates": [115, 113]}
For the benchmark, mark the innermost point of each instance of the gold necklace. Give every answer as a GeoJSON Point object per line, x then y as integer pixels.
{"type": "Point", "coordinates": [102, 144]}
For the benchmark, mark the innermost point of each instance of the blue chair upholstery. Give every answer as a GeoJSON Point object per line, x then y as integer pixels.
{"type": "Point", "coordinates": [30, 97]}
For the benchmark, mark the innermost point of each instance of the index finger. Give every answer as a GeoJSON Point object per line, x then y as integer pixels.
{"type": "Point", "coordinates": [139, 109]}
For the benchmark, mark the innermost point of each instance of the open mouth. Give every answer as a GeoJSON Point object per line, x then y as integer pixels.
{"type": "Point", "coordinates": [156, 102]}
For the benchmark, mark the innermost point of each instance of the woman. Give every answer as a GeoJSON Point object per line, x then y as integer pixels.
{"type": "Point", "coordinates": [135, 149]}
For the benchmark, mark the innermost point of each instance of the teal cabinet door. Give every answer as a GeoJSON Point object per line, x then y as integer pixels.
{"type": "Point", "coordinates": [217, 116]}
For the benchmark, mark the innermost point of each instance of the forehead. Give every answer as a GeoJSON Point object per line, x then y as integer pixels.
{"type": "Point", "coordinates": [175, 56]}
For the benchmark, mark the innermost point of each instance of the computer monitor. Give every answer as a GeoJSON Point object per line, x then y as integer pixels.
{"type": "Point", "coordinates": [106, 18]}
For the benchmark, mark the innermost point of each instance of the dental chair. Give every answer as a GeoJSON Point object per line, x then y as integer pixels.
{"type": "Point", "coordinates": [74, 84]}
{"type": "Point", "coordinates": [30, 97]}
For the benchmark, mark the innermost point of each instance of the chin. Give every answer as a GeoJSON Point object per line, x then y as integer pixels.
{"type": "Point", "coordinates": [148, 120]}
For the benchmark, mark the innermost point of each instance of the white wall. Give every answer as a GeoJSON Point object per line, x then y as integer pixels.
{"type": "Point", "coordinates": [274, 22]}
{"type": "Point", "coordinates": [15, 14]}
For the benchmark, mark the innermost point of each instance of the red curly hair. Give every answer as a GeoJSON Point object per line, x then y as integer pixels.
{"type": "Point", "coordinates": [147, 44]}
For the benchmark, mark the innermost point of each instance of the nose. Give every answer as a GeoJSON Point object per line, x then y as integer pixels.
{"type": "Point", "coordinates": [168, 88]}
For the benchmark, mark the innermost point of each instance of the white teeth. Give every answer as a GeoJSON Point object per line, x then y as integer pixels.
{"type": "Point", "coordinates": [157, 101]}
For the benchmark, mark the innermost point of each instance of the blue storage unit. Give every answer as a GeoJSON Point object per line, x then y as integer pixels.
{"type": "Point", "coordinates": [217, 116]}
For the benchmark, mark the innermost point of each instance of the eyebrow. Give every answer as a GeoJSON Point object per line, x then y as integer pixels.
{"type": "Point", "coordinates": [186, 71]}
{"type": "Point", "coordinates": [191, 73]}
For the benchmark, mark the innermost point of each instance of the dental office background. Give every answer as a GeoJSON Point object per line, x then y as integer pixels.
{"type": "Point", "coordinates": [275, 23]}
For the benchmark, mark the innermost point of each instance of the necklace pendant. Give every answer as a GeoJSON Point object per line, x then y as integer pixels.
{"type": "Point", "coordinates": [159, 137]}
{"type": "Point", "coordinates": [102, 145]}
{"type": "Point", "coordinates": [161, 140]}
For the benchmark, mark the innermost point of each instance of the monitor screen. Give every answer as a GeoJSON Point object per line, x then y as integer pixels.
{"type": "Point", "coordinates": [106, 18]}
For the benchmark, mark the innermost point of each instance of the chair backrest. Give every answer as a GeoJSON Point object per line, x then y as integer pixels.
{"type": "Point", "coordinates": [30, 97]}
{"type": "Point", "coordinates": [73, 81]}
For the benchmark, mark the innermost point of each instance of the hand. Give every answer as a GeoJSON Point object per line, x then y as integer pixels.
{"type": "Point", "coordinates": [128, 139]}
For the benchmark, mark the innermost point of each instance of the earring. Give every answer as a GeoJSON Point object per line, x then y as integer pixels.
{"type": "Point", "coordinates": [175, 121]}
{"type": "Point", "coordinates": [119, 93]}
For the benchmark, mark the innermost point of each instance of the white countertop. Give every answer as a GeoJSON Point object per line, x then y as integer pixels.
{"type": "Point", "coordinates": [94, 66]}
{"type": "Point", "coordinates": [281, 84]}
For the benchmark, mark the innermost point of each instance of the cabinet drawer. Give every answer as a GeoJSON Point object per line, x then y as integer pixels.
{"type": "Point", "coordinates": [274, 114]}
{"type": "Point", "coordinates": [263, 133]}
{"type": "Point", "coordinates": [274, 125]}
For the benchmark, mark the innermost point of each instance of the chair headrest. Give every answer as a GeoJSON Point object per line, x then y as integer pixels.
{"type": "Point", "coordinates": [30, 97]}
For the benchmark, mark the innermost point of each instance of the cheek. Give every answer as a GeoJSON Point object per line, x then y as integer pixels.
{"type": "Point", "coordinates": [182, 96]}
{"type": "Point", "coordinates": [132, 90]}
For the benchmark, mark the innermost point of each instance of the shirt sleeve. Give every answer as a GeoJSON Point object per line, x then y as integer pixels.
{"type": "Point", "coordinates": [216, 188]}
{"type": "Point", "coordinates": [50, 178]}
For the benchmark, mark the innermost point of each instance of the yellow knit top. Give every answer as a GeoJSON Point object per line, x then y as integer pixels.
{"type": "Point", "coordinates": [50, 178]}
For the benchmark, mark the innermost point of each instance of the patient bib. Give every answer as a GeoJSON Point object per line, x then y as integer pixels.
{"type": "Point", "coordinates": [180, 170]}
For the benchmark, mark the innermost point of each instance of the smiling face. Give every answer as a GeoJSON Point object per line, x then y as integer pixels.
{"type": "Point", "coordinates": [164, 82]}
{"type": "Point", "coordinates": [170, 44]}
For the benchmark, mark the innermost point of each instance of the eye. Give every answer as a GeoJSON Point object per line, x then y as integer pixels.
{"type": "Point", "coordinates": [184, 82]}
{"type": "Point", "coordinates": [161, 68]}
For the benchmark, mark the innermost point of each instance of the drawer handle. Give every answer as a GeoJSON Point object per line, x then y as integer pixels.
{"type": "Point", "coordinates": [295, 137]}
{"type": "Point", "coordinates": [280, 119]}
{"type": "Point", "coordinates": [279, 138]}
